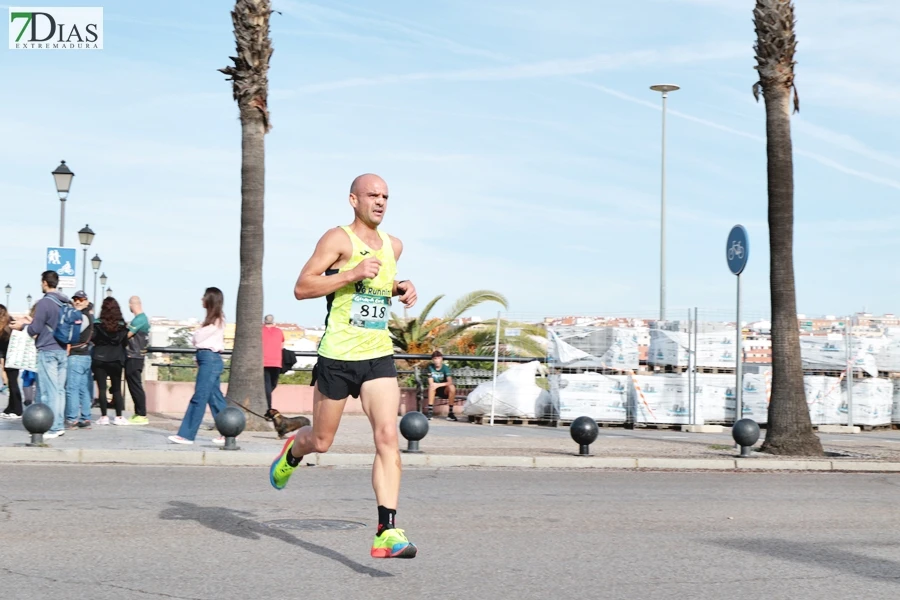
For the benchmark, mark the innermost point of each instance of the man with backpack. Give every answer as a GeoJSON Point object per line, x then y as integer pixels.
{"type": "Point", "coordinates": [56, 325]}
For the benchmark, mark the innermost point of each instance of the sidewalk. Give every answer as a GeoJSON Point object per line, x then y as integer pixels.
{"type": "Point", "coordinates": [450, 444]}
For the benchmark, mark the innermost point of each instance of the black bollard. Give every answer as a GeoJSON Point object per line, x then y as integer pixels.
{"type": "Point", "coordinates": [230, 423]}
{"type": "Point", "coordinates": [584, 431]}
{"type": "Point", "coordinates": [414, 427]}
{"type": "Point", "coordinates": [37, 419]}
{"type": "Point", "coordinates": [745, 433]}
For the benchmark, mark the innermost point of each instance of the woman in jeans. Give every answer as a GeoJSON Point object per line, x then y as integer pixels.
{"type": "Point", "coordinates": [209, 340]}
{"type": "Point", "coordinates": [10, 376]}
{"type": "Point", "coordinates": [109, 358]}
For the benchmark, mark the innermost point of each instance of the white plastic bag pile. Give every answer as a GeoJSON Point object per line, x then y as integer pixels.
{"type": "Point", "coordinates": [516, 395]}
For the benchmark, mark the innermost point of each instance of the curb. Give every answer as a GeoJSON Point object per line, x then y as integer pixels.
{"type": "Point", "coordinates": [219, 458]}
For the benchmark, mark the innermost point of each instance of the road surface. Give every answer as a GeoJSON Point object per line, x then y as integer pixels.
{"type": "Point", "coordinates": [113, 532]}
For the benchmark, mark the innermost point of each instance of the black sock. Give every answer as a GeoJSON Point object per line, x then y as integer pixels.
{"type": "Point", "coordinates": [292, 460]}
{"type": "Point", "coordinates": [451, 410]}
{"type": "Point", "coordinates": [386, 518]}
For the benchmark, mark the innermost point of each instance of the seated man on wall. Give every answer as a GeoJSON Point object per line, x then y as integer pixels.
{"type": "Point", "coordinates": [440, 384]}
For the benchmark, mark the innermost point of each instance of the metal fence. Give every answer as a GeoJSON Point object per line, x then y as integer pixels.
{"type": "Point", "coordinates": [630, 368]}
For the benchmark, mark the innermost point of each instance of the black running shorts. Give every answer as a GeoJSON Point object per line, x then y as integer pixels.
{"type": "Point", "coordinates": [442, 392]}
{"type": "Point", "coordinates": [339, 379]}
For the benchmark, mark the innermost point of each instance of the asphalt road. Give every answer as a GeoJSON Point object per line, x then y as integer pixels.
{"type": "Point", "coordinates": [108, 532]}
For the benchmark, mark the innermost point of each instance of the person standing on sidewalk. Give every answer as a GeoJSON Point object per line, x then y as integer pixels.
{"type": "Point", "coordinates": [13, 408]}
{"type": "Point", "coordinates": [89, 384]}
{"type": "Point", "coordinates": [273, 344]}
{"type": "Point", "coordinates": [51, 355]}
{"type": "Point", "coordinates": [78, 398]}
{"type": "Point", "coordinates": [209, 340]}
{"type": "Point", "coordinates": [135, 350]}
{"type": "Point", "coordinates": [109, 358]}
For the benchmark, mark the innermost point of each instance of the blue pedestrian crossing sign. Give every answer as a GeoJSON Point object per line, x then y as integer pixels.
{"type": "Point", "coordinates": [62, 260]}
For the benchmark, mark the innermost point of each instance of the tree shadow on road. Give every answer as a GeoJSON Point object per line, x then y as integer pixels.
{"type": "Point", "coordinates": [236, 523]}
{"type": "Point", "coordinates": [818, 554]}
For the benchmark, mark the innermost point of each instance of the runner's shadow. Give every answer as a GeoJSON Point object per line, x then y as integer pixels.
{"type": "Point", "coordinates": [235, 522]}
{"type": "Point", "coordinates": [817, 554]}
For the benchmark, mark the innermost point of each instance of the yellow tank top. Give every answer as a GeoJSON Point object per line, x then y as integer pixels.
{"type": "Point", "coordinates": [358, 313]}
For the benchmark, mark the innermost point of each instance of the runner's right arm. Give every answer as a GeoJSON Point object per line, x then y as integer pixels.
{"type": "Point", "coordinates": [334, 246]}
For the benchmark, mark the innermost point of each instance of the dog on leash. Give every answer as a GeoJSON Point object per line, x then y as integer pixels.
{"type": "Point", "coordinates": [284, 425]}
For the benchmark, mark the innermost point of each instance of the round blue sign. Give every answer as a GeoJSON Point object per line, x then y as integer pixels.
{"type": "Point", "coordinates": [738, 249]}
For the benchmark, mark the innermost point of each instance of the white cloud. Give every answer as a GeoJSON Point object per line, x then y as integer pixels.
{"type": "Point", "coordinates": [845, 141]}
{"type": "Point", "coordinates": [677, 55]}
{"type": "Point", "coordinates": [319, 14]}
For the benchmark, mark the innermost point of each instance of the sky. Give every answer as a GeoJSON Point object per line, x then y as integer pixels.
{"type": "Point", "coordinates": [519, 139]}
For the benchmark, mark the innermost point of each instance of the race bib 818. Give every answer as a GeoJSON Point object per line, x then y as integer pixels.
{"type": "Point", "coordinates": [369, 312]}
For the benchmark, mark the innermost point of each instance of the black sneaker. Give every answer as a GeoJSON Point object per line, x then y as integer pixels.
{"type": "Point", "coordinates": [71, 425]}
{"type": "Point", "coordinates": [452, 417]}
{"type": "Point", "coordinates": [84, 425]}
{"type": "Point", "coordinates": [429, 414]}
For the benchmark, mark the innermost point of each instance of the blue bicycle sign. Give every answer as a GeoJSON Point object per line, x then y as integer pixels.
{"type": "Point", "coordinates": [737, 249]}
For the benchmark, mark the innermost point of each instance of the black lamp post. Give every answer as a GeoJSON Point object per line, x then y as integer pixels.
{"type": "Point", "coordinates": [95, 263]}
{"type": "Point", "coordinates": [63, 178]}
{"type": "Point", "coordinates": [85, 236]}
{"type": "Point", "coordinates": [109, 293]}
{"type": "Point", "coordinates": [103, 280]}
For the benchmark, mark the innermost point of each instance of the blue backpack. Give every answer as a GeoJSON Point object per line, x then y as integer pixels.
{"type": "Point", "coordinates": [68, 326]}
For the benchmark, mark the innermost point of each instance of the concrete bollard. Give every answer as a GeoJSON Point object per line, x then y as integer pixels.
{"type": "Point", "coordinates": [37, 419]}
{"type": "Point", "coordinates": [231, 423]}
{"type": "Point", "coordinates": [413, 427]}
{"type": "Point", "coordinates": [584, 431]}
{"type": "Point", "coordinates": [745, 433]}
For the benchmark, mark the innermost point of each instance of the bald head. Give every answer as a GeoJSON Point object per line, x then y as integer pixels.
{"type": "Point", "coordinates": [134, 305]}
{"type": "Point", "coordinates": [368, 197]}
{"type": "Point", "coordinates": [364, 182]}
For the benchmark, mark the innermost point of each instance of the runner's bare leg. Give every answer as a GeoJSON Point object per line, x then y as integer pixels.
{"type": "Point", "coordinates": [326, 419]}
{"type": "Point", "coordinates": [381, 402]}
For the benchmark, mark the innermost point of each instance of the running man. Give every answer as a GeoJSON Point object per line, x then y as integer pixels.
{"type": "Point", "coordinates": [355, 268]}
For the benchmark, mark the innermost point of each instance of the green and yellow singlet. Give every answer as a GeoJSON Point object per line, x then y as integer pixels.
{"type": "Point", "coordinates": [358, 313]}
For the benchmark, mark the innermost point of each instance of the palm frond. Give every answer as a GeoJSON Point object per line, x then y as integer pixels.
{"type": "Point", "coordinates": [473, 299]}
{"type": "Point", "coordinates": [428, 308]}
{"type": "Point", "coordinates": [449, 335]}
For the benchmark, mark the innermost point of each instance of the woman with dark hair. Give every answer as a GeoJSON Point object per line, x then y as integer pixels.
{"type": "Point", "coordinates": [10, 376]}
{"type": "Point", "coordinates": [109, 358]}
{"type": "Point", "coordinates": [209, 340]}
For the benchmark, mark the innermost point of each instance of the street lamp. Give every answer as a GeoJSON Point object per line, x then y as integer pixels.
{"type": "Point", "coordinates": [664, 89]}
{"type": "Point", "coordinates": [95, 263]}
{"type": "Point", "coordinates": [8, 292]}
{"type": "Point", "coordinates": [103, 279]}
{"type": "Point", "coordinates": [63, 178]}
{"type": "Point", "coordinates": [85, 236]}
{"type": "Point", "coordinates": [109, 293]}
{"type": "Point", "coordinates": [28, 299]}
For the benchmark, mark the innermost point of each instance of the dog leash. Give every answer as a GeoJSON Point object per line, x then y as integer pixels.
{"type": "Point", "coordinates": [247, 409]}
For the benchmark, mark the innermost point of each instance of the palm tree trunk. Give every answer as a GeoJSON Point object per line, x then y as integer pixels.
{"type": "Point", "coordinates": [789, 430]}
{"type": "Point", "coordinates": [250, 88]}
{"type": "Point", "coordinates": [246, 384]}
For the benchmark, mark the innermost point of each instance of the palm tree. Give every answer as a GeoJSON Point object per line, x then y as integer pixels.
{"type": "Point", "coordinates": [250, 85]}
{"type": "Point", "coordinates": [481, 342]}
{"type": "Point", "coordinates": [790, 430]}
{"type": "Point", "coordinates": [423, 333]}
